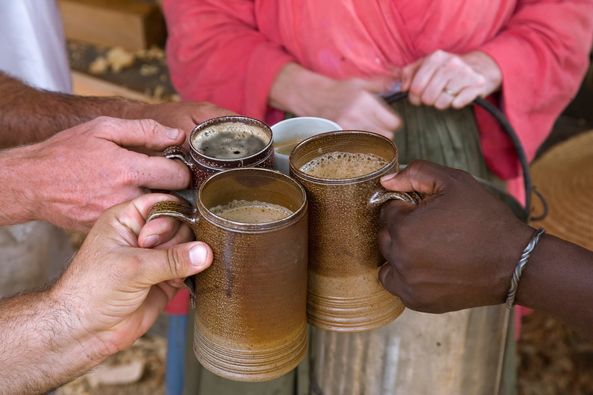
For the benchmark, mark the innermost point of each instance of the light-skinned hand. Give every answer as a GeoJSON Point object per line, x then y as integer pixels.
{"type": "Point", "coordinates": [180, 115]}
{"type": "Point", "coordinates": [446, 80]}
{"type": "Point", "coordinates": [114, 288]}
{"type": "Point", "coordinates": [353, 103]}
{"type": "Point", "coordinates": [72, 177]}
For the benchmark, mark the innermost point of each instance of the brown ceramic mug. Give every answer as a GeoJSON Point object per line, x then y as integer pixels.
{"type": "Point", "coordinates": [204, 161]}
{"type": "Point", "coordinates": [344, 293]}
{"type": "Point", "coordinates": [250, 322]}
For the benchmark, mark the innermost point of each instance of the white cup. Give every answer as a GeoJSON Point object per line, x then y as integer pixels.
{"type": "Point", "coordinates": [289, 132]}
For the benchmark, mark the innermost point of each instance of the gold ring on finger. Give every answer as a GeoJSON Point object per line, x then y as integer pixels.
{"type": "Point", "coordinates": [450, 92]}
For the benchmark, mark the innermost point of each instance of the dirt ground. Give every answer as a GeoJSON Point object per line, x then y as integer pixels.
{"type": "Point", "coordinates": [149, 351]}
{"type": "Point", "coordinates": [553, 361]}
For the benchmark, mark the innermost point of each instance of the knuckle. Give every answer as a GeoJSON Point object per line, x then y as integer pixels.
{"type": "Point", "coordinates": [133, 267]}
{"type": "Point", "coordinates": [459, 175]}
{"type": "Point", "coordinates": [392, 219]}
{"type": "Point", "coordinates": [107, 122]}
{"type": "Point", "coordinates": [417, 167]}
{"type": "Point", "coordinates": [416, 87]}
{"type": "Point", "coordinates": [453, 63]}
{"type": "Point", "coordinates": [149, 126]}
{"type": "Point", "coordinates": [385, 244]}
{"type": "Point", "coordinates": [407, 73]}
{"type": "Point", "coordinates": [130, 176]}
{"type": "Point", "coordinates": [428, 98]}
{"type": "Point", "coordinates": [102, 119]}
{"type": "Point", "coordinates": [100, 124]}
{"type": "Point", "coordinates": [183, 175]}
{"type": "Point", "coordinates": [458, 103]}
{"type": "Point", "coordinates": [439, 54]}
{"type": "Point", "coordinates": [176, 262]}
{"type": "Point", "coordinates": [441, 104]}
{"type": "Point", "coordinates": [408, 298]}
{"type": "Point", "coordinates": [404, 267]}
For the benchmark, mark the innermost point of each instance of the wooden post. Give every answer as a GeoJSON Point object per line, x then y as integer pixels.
{"type": "Point", "coordinates": [454, 353]}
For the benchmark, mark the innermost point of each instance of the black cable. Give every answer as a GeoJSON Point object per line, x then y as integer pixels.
{"type": "Point", "coordinates": [508, 129]}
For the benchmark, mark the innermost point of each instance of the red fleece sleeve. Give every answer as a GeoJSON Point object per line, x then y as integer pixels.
{"type": "Point", "coordinates": [216, 53]}
{"type": "Point", "coordinates": [543, 55]}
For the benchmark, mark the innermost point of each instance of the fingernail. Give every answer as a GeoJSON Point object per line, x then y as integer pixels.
{"type": "Point", "coordinates": [151, 241]}
{"type": "Point", "coordinates": [388, 177]}
{"type": "Point", "coordinates": [198, 255]}
{"type": "Point", "coordinates": [172, 133]}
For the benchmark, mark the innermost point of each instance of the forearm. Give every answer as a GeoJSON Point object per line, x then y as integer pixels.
{"type": "Point", "coordinates": [42, 344]}
{"type": "Point", "coordinates": [558, 279]}
{"type": "Point", "coordinates": [17, 204]}
{"type": "Point", "coordinates": [29, 115]}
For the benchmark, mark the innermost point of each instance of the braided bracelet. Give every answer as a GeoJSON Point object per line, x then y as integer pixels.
{"type": "Point", "coordinates": [521, 265]}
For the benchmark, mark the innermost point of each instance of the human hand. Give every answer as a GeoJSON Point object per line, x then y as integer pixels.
{"type": "Point", "coordinates": [456, 249]}
{"type": "Point", "coordinates": [75, 175]}
{"type": "Point", "coordinates": [353, 103]}
{"type": "Point", "coordinates": [446, 80]}
{"type": "Point", "coordinates": [181, 115]}
{"type": "Point", "coordinates": [115, 289]}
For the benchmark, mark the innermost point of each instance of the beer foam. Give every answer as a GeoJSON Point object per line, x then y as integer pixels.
{"type": "Point", "coordinates": [340, 165]}
{"type": "Point", "coordinates": [251, 212]}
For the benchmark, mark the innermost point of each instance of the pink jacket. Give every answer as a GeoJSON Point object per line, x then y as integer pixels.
{"type": "Point", "coordinates": [230, 51]}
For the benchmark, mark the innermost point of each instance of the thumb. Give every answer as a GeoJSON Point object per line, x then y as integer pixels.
{"type": "Point", "coordinates": [138, 133]}
{"type": "Point", "coordinates": [420, 176]}
{"type": "Point", "coordinates": [179, 261]}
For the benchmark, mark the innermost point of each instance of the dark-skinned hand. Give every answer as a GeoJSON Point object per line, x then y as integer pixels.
{"type": "Point", "coordinates": [456, 249]}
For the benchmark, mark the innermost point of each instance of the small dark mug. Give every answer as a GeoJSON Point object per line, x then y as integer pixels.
{"type": "Point", "coordinates": [203, 166]}
{"type": "Point", "coordinates": [344, 291]}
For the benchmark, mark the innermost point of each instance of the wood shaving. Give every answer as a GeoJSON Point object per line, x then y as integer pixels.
{"type": "Point", "coordinates": [153, 53]}
{"type": "Point", "coordinates": [119, 59]}
{"type": "Point", "coordinates": [147, 70]}
{"type": "Point", "coordinates": [150, 351]}
{"type": "Point", "coordinates": [159, 91]}
{"type": "Point", "coordinates": [99, 66]}
{"type": "Point", "coordinates": [553, 359]}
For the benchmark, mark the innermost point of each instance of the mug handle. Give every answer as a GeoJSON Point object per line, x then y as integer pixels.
{"type": "Point", "coordinates": [184, 213]}
{"type": "Point", "coordinates": [380, 197]}
{"type": "Point", "coordinates": [180, 153]}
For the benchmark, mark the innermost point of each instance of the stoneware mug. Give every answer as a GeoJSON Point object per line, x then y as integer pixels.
{"type": "Point", "coordinates": [289, 132]}
{"type": "Point", "coordinates": [203, 163]}
{"type": "Point", "coordinates": [250, 322]}
{"type": "Point", "coordinates": [344, 292]}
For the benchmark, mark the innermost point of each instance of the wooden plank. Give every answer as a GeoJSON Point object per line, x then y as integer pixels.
{"type": "Point", "coordinates": [130, 24]}
{"type": "Point", "coordinates": [86, 85]}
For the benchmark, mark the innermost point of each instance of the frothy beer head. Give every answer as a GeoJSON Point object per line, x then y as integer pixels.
{"type": "Point", "coordinates": [230, 140]}
{"type": "Point", "coordinates": [251, 212]}
{"type": "Point", "coordinates": [340, 165]}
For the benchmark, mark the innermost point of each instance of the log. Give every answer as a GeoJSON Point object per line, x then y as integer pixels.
{"type": "Point", "coordinates": [86, 85]}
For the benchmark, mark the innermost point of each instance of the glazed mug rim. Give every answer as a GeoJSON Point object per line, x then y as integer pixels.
{"type": "Point", "coordinates": [391, 163]}
{"type": "Point", "coordinates": [229, 118]}
{"type": "Point", "coordinates": [203, 212]}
